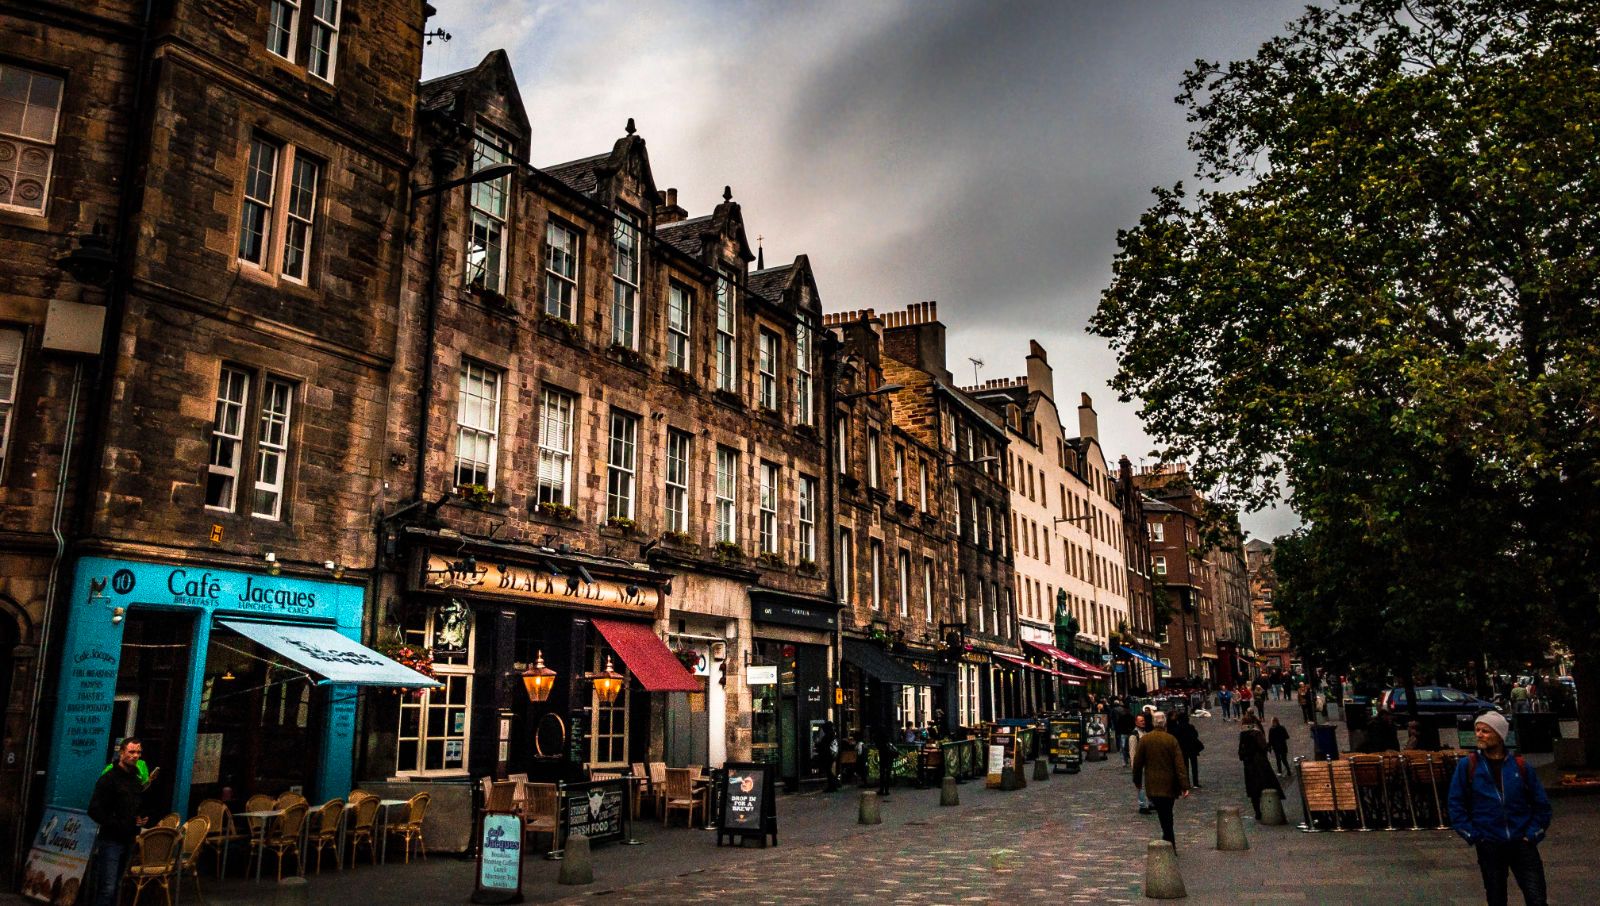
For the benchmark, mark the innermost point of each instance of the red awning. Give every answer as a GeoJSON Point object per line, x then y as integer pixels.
{"type": "Point", "coordinates": [1066, 658]}
{"type": "Point", "coordinates": [646, 656]}
{"type": "Point", "coordinates": [1011, 658]}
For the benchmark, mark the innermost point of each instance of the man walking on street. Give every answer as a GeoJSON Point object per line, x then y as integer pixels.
{"type": "Point", "coordinates": [115, 805]}
{"type": "Point", "coordinates": [1159, 773]}
{"type": "Point", "coordinates": [1133, 738]}
{"type": "Point", "coordinates": [1498, 805]}
{"type": "Point", "coordinates": [1189, 743]}
{"type": "Point", "coordinates": [1124, 727]}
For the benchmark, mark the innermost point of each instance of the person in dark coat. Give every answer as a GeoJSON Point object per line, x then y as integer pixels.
{"type": "Point", "coordinates": [1258, 775]}
{"type": "Point", "coordinates": [1189, 741]}
{"type": "Point", "coordinates": [1159, 774]}
{"type": "Point", "coordinates": [116, 805]}
{"type": "Point", "coordinates": [1278, 741]}
{"type": "Point", "coordinates": [1381, 735]}
{"type": "Point", "coordinates": [1123, 726]}
{"type": "Point", "coordinates": [828, 753]}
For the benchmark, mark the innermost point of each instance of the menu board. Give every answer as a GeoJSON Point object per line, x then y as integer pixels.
{"type": "Point", "coordinates": [1066, 743]}
{"type": "Point", "coordinates": [596, 809]}
{"type": "Point", "coordinates": [59, 856]}
{"type": "Point", "coordinates": [748, 806]}
{"type": "Point", "coordinates": [500, 859]}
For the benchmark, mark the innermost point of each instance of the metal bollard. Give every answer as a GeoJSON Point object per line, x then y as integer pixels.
{"type": "Point", "coordinates": [948, 794]}
{"type": "Point", "coordinates": [1230, 830]}
{"type": "Point", "coordinates": [1162, 881]}
{"type": "Point", "coordinates": [870, 811]}
{"type": "Point", "coordinates": [578, 866]}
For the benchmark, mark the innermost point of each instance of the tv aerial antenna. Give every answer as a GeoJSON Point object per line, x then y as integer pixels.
{"type": "Point", "coordinates": [976, 364]}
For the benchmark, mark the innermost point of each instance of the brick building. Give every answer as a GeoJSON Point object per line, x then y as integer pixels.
{"type": "Point", "coordinates": [1142, 644]}
{"type": "Point", "coordinates": [1273, 646]}
{"type": "Point", "coordinates": [608, 449]}
{"type": "Point", "coordinates": [196, 337]}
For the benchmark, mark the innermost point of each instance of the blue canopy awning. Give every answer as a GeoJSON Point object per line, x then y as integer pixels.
{"type": "Point", "coordinates": [329, 655]}
{"type": "Point", "coordinates": [1146, 658]}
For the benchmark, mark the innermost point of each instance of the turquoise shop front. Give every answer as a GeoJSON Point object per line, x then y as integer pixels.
{"type": "Point", "coordinates": [236, 683]}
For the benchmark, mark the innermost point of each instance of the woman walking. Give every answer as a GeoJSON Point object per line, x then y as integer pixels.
{"type": "Point", "coordinates": [1258, 775]}
{"type": "Point", "coordinates": [1278, 740]}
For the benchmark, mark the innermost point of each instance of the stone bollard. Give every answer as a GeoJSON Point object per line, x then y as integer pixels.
{"type": "Point", "coordinates": [1272, 808]}
{"type": "Point", "coordinates": [1161, 878]}
{"type": "Point", "coordinates": [577, 867]}
{"type": "Point", "coordinates": [948, 794]}
{"type": "Point", "coordinates": [871, 812]}
{"type": "Point", "coordinates": [291, 892]}
{"type": "Point", "coordinates": [1041, 769]}
{"type": "Point", "coordinates": [1230, 830]}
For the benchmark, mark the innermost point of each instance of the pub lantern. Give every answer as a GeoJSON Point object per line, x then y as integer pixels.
{"type": "Point", "coordinates": [538, 680]}
{"type": "Point", "coordinates": [607, 683]}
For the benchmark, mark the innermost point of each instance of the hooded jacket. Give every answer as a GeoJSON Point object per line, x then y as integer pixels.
{"type": "Point", "coordinates": [1481, 812]}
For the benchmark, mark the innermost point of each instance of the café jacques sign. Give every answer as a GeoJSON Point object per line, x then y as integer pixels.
{"type": "Point", "coordinates": [536, 586]}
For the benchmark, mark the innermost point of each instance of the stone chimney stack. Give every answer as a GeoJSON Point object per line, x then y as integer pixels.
{"type": "Point", "coordinates": [916, 336]}
{"type": "Point", "coordinates": [1088, 422]}
{"type": "Point", "coordinates": [667, 210]}
{"type": "Point", "coordinates": [1041, 377]}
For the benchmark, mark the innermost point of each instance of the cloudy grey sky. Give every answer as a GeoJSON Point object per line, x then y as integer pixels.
{"type": "Point", "coordinates": [980, 154]}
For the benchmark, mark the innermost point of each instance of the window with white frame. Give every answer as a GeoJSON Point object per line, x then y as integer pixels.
{"type": "Point", "coordinates": [927, 590]}
{"type": "Point", "coordinates": [680, 320]}
{"type": "Point", "coordinates": [959, 512]}
{"type": "Point", "coordinates": [1160, 565]}
{"type": "Point", "coordinates": [625, 281]}
{"type": "Point", "coordinates": [977, 603]}
{"type": "Point", "coordinates": [486, 239]}
{"type": "Point", "coordinates": [847, 560]}
{"type": "Point", "coordinates": [277, 237]}
{"type": "Point", "coordinates": [477, 425]}
{"type": "Point", "coordinates": [561, 271]}
{"type": "Point", "coordinates": [230, 440]}
{"type": "Point", "coordinates": [555, 447]}
{"type": "Point", "coordinates": [10, 373]}
{"type": "Point", "coordinates": [994, 608]}
{"type": "Point", "coordinates": [922, 485]}
{"type": "Point", "coordinates": [899, 472]}
{"type": "Point", "coordinates": [767, 365]}
{"type": "Point", "coordinates": [30, 113]}
{"type": "Point", "coordinates": [841, 435]}
{"type": "Point", "coordinates": [804, 384]}
{"type": "Point", "coordinates": [621, 465]}
{"type": "Point", "coordinates": [806, 499]}
{"type": "Point", "coordinates": [727, 335]}
{"type": "Point", "coordinates": [877, 574]}
{"type": "Point", "coordinates": [679, 447]}
{"type": "Point", "coordinates": [727, 495]}
{"type": "Point", "coordinates": [436, 723]}
{"type": "Point", "coordinates": [1158, 532]}
{"type": "Point", "coordinates": [904, 585]}
{"type": "Point", "coordinates": [608, 740]}
{"type": "Point", "coordinates": [872, 457]}
{"type": "Point", "coordinates": [769, 507]}
{"type": "Point", "coordinates": [318, 35]}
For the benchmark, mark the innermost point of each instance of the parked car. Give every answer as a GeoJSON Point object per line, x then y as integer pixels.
{"type": "Point", "coordinates": [1436, 700]}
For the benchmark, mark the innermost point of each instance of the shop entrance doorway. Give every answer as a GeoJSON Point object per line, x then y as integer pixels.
{"type": "Point", "coordinates": [151, 680]}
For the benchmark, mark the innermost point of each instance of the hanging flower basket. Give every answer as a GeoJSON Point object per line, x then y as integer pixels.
{"type": "Point", "coordinates": [412, 658]}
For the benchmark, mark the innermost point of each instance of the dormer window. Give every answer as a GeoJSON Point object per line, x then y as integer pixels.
{"type": "Point", "coordinates": [727, 334]}
{"type": "Point", "coordinates": [486, 259]}
{"type": "Point", "coordinates": [625, 282]}
{"type": "Point", "coordinates": [804, 384]}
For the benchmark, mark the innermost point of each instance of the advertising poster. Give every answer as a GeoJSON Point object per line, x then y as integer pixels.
{"type": "Point", "coordinates": [59, 856]}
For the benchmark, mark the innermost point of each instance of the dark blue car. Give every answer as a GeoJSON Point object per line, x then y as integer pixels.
{"type": "Point", "coordinates": [1436, 700]}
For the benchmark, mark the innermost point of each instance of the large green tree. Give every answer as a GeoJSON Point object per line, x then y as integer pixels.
{"type": "Point", "coordinates": [1383, 303]}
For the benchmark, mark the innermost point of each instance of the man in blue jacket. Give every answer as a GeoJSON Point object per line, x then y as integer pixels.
{"type": "Point", "coordinates": [1498, 805]}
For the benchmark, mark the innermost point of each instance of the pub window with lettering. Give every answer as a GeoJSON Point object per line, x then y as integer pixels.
{"type": "Point", "coordinates": [251, 439]}
{"type": "Point", "coordinates": [435, 724]}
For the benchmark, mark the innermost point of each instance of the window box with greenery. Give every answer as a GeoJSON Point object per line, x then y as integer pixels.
{"type": "Point", "coordinates": [475, 494]}
{"type": "Point", "coordinates": [622, 524]}
{"type": "Point", "coordinates": [808, 567]}
{"type": "Point", "coordinates": [729, 552]}
{"type": "Point", "coordinates": [625, 355]}
{"type": "Point", "coordinates": [487, 297]}
{"type": "Point", "coordinates": [560, 328]}
{"type": "Point", "coordinates": [678, 539]}
{"type": "Point", "coordinates": [557, 511]}
{"type": "Point", "coordinates": [682, 379]}
{"type": "Point", "coordinates": [772, 560]}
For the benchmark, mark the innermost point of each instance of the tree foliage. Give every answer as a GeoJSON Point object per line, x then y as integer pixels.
{"type": "Point", "coordinates": [1383, 302]}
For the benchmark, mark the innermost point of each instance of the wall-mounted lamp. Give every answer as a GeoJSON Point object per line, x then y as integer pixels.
{"type": "Point", "coordinates": [334, 567]}
{"type": "Point", "coordinates": [538, 680]}
{"type": "Point", "coordinates": [607, 683]}
{"type": "Point", "coordinates": [117, 614]}
{"type": "Point", "coordinates": [272, 564]}
{"type": "Point", "coordinates": [584, 575]}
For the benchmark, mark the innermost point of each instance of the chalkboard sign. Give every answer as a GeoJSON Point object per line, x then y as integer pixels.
{"type": "Point", "coordinates": [596, 809]}
{"type": "Point", "coordinates": [748, 806]}
{"type": "Point", "coordinates": [577, 742]}
{"type": "Point", "coordinates": [1066, 744]}
{"type": "Point", "coordinates": [499, 859]}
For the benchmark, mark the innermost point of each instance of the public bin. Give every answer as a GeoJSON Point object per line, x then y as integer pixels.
{"type": "Point", "coordinates": [1324, 741]}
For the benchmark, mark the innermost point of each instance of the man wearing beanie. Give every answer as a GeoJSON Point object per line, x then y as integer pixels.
{"type": "Point", "coordinates": [1498, 805]}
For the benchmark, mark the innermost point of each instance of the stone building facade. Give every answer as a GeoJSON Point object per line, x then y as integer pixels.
{"type": "Point", "coordinates": [1273, 645]}
{"type": "Point", "coordinates": [1147, 633]}
{"type": "Point", "coordinates": [608, 448]}
{"type": "Point", "coordinates": [193, 423]}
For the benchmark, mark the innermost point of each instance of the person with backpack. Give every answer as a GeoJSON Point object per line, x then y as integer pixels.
{"type": "Point", "coordinates": [1498, 805]}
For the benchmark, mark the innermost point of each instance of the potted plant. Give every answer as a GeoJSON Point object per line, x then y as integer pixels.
{"type": "Point", "coordinates": [559, 327]}
{"type": "Point", "coordinates": [681, 539]}
{"type": "Point", "coordinates": [412, 657]}
{"type": "Point", "coordinates": [772, 559]}
{"type": "Point", "coordinates": [475, 494]}
{"type": "Point", "coordinates": [552, 510]}
{"type": "Point", "coordinates": [623, 523]}
{"type": "Point", "coordinates": [809, 567]}
{"type": "Point", "coordinates": [624, 354]}
{"type": "Point", "coordinates": [729, 551]}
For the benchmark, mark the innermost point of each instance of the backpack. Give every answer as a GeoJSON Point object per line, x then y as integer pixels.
{"type": "Point", "coordinates": [1472, 774]}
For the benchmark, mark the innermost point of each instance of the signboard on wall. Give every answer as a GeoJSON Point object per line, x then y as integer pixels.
{"type": "Point", "coordinates": [522, 583]}
{"type": "Point", "coordinates": [762, 676]}
{"type": "Point", "coordinates": [207, 757]}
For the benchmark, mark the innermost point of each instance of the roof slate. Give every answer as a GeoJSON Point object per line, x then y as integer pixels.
{"type": "Point", "coordinates": [684, 235]}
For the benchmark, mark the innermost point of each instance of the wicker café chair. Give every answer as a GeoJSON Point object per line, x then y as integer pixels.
{"type": "Point", "coordinates": [155, 862]}
{"type": "Point", "coordinates": [285, 836]}
{"type": "Point", "coordinates": [221, 831]}
{"type": "Point", "coordinates": [257, 803]}
{"type": "Point", "coordinates": [195, 831]}
{"type": "Point", "coordinates": [290, 798]}
{"type": "Point", "coordinates": [172, 819]}
{"type": "Point", "coordinates": [329, 819]}
{"type": "Point", "coordinates": [411, 828]}
{"type": "Point", "coordinates": [364, 831]}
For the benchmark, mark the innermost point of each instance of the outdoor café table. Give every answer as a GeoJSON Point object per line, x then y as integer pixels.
{"type": "Point", "coordinates": [383, 825]}
{"type": "Point", "coordinates": [266, 816]}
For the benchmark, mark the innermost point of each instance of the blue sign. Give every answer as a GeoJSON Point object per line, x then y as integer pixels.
{"type": "Point", "coordinates": [59, 856]}
{"type": "Point", "coordinates": [103, 590]}
{"type": "Point", "coordinates": [499, 857]}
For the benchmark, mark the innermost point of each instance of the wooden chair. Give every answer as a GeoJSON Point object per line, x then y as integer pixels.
{"type": "Point", "coordinates": [411, 828]}
{"type": "Point", "coordinates": [640, 788]}
{"type": "Point", "coordinates": [171, 820]}
{"type": "Point", "coordinates": [195, 832]}
{"type": "Point", "coordinates": [221, 831]}
{"type": "Point", "coordinates": [284, 837]}
{"type": "Point", "coordinates": [604, 775]}
{"type": "Point", "coordinates": [658, 785]}
{"type": "Point", "coordinates": [502, 796]}
{"type": "Point", "coordinates": [680, 796]}
{"type": "Point", "coordinates": [366, 811]}
{"type": "Point", "coordinates": [154, 862]}
{"type": "Point", "coordinates": [541, 811]}
{"type": "Point", "coordinates": [329, 819]}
